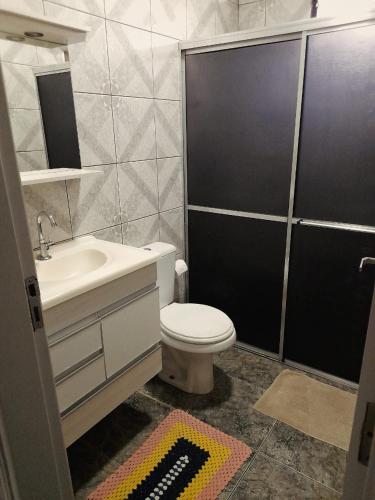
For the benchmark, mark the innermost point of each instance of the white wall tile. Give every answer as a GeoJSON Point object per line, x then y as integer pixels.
{"type": "Point", "coordinates": [166, 64]}
{"type": "Point", "coordinates": [27, 129]}
{"type": "Point", "coordinates": [48, 56]}
{"type": "Point", "coordinates": [134, 12]}
{"type": "Point", "coordinates": [168, 128]}
{"type": "Point", "coordinates": [141, 232]}
{"type": "Point", "coordinates": [31, 160]}
{"type": "Point", "coordinates": [130, 60]}
{"type": "Point", "coordinates": [95, 128]}
{"type": "Point", "coordinates": [112, 234]}
{"type": "Point", "coordinates": [95, 7]}
{"type": "Point", "coordinates": [201, 18]}
{"type": "Point", "coordinates": [279, 11]}
{"type": "Point", "coordinates": [18, 53]}
{"type": "Point", "coordinates": [226, 17]}
{"type": "Point", "coordinates": [138, 185]}
{"type": "Point", "coordinates": [134, 128]}
{"type": "Point", "coordinates": [89, 59]}
{"type": "Point", "coordinates": [53, 199]}
{"type": "Point", "coordinates": [20, 86]}
{"type": "Point", "coordinates": [168, 17]}
{"type": "Point", "coordinates": [252, 15]}
{"type": "Point", "coordinates": [31, 6]}
{"type": "Point", "coordinates": [170, 182]}
{"type": "Point", "coordinates": [94, 202]}
{"type": "Point", "coordinates": [172, 228]}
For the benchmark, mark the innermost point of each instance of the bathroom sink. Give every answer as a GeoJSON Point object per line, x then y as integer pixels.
{"type": "Point", "coordinates": [84, 264]}
{"type": "Point", "coordinates": [72, 265]}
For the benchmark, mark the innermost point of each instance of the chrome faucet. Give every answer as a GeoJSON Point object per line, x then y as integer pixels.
{"type": "Point", "coordinates": [43, 243]}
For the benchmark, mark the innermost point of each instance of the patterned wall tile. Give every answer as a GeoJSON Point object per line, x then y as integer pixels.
{"type": "Point", "coordinates": [279, 11]}
{"type": "Point", "coordinates": [89, 59]}
{"type": "Point", "coordinates": [113, 234]}
{"type": "Point", "coordinates": [134, 12]}
{"type": "Point", "coordinates": [201, 18]}
{"type": "Point", "coordinates": [31, 160]}
{"type": "Point", "coordinates": [53, 199]}
{"type": "Point", "coordinates": [27, 129]}
{"type": "Point", "coordinates": [170, 182]}
{"type": "Point", "coordinates": [32, 6]}
{"type": "Point", "coordinates": [252, 15]}
{"type": "Point", "coordinates": [166, 63]}
{"type": "Point", "coordinates": [141, 232]}
{"type": "Point", "coordinates": [94, 202]}
{"type": "Point", "coordinates": [138, 185]}
{"type": "Point", "coordinates": [48, 56]}
{"type": "Point", "coordinates": [20, 86]}
{"type": "Point", "coordinates": [168, 17]}
{"type": "Point", "coordinates": [134, 128]}
{"type": "Point", "coordinates": [95, 129]}
{"type": "Point", "coordinates": [90, 6]}
{"type": "Point", "coordinates": [172, 228]}
{"type": "Point", "coordinates": [18, 53]}
{"type": "Point", "coordinates": [168, 128]}
{"type": "Point", "coordinates": [226, 17]}
{"type": "Point", "coordinates": [130, 60]}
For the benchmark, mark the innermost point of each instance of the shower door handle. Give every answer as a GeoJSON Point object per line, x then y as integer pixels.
{"type": "Point", "coordinates": [366, 261]}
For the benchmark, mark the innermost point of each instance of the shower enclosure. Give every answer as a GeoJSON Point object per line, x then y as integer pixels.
{"type": "Point", "coordinates": [280, 170]}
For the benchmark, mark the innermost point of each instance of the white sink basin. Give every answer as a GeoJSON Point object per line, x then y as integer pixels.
{"type": "Point", "coordinates": [72, 265]}
{"type": "Point", "coordinates": [86, 263]}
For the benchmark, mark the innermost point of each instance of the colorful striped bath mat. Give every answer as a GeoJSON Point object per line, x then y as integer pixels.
{"type": "Point", "coordinates": [183, 458]}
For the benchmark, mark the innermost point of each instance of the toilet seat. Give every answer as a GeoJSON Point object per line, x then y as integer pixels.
{"type": "Point", "coordinates": [195, 324]}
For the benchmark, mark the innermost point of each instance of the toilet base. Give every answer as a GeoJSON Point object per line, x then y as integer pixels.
{"type": "Point", "coordinates": [190, 372]}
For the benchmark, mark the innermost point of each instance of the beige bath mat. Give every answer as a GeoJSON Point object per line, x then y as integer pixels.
{"type": "Point", "coordinates": [319, 410]}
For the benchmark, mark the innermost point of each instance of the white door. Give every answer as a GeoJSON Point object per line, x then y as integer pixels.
{"type": "Point", "coordinates": [360, 473]}
{"type": "Point", "coordinates": [33, 462]}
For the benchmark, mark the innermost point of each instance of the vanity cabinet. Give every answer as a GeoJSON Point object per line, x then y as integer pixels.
{"type": "Point", "coordinates": [124, 331]}
{"type": "Point", "coordinates": [80, 383]}
{"type": "Point", "coordinates": [108, 352]}
{"type": "Point", "coordinates": [75, 348]}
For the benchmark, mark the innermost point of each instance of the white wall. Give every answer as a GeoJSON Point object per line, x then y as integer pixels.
{"type": "Point", "coordinates": [258, 13]}
{"type": "Point", "coordinates": [127, 95]}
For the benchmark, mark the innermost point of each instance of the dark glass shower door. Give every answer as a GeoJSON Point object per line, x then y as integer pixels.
{"type": "Point", "coordinates": [241, 107]}
{"type": "Point", "coordinates": [328, 298]}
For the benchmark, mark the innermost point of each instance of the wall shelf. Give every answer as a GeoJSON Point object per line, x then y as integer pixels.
{"type": "Point", "coordinates": [15, 23]}
{"type": "Point", "coordinates": [55, 174]}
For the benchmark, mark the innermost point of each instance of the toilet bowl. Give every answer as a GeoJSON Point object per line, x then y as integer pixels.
{"type": "Point", "coordinates": [191, 333]}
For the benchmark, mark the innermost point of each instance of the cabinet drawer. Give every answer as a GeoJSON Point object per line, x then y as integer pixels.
{"type": "Point", "coordinates": [131, 331]}
{"type": "Point", "coordinates": [69, 352]}
{"type": "Point", "coordinates": [80, 383]}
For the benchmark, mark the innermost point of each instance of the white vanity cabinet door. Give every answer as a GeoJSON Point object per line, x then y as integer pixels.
{"type": "Point", "coordinates": [70, 351]}
{"type": "Point", "coordinates": [80, 383]}
{"type": "Point", "coordinates": [131, 331]}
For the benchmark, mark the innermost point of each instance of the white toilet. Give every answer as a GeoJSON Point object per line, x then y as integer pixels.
{"type": "Point", "coordinates": [191, 333]}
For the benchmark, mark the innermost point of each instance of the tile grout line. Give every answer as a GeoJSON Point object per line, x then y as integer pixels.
{"type": "Point", "coordinates": [251, 461]}
{"type": "Point", "coordinates": [113, 123]}
{"type": "Point", "coordinates": [147, 395]}
{"type": "Point", "coordinates": [299, 473]}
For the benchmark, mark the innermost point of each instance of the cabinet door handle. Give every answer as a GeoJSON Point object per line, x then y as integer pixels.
{"type": "Point", "coordinates": [366, 261]}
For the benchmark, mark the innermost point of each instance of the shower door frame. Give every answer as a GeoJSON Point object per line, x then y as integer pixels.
{"type": "Point", "coordinates": [292, 31]}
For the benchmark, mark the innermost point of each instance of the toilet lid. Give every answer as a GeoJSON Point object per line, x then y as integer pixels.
{"type": "Point", "coordinates": [195, 323]}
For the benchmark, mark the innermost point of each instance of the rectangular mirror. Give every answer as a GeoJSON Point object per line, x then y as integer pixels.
{"type": "Point", "coordinates": [54, 87]}
{"type": "Point", "coordinates": [41, 105]}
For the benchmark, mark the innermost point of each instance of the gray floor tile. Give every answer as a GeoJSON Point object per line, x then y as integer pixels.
{"type": "Point", "coordinates": [112, 441]}
{"type": "Point", "coordinates": [257, 371]}
{"type": "Point", "coordinates": [228, 407]}
{"type": "Point", "coordinates": [267, 479]}
{"type": "Point", "coordinates": [289, 464]}
{"type": "Point", "coordinates": [316, 459]}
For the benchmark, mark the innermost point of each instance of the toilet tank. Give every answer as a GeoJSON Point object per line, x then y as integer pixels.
{"type": "Point", "coordinates": [166, 269]}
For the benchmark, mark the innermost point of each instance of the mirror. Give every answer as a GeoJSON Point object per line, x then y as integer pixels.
{"type": "Point", "coordinates": [41, 105]}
